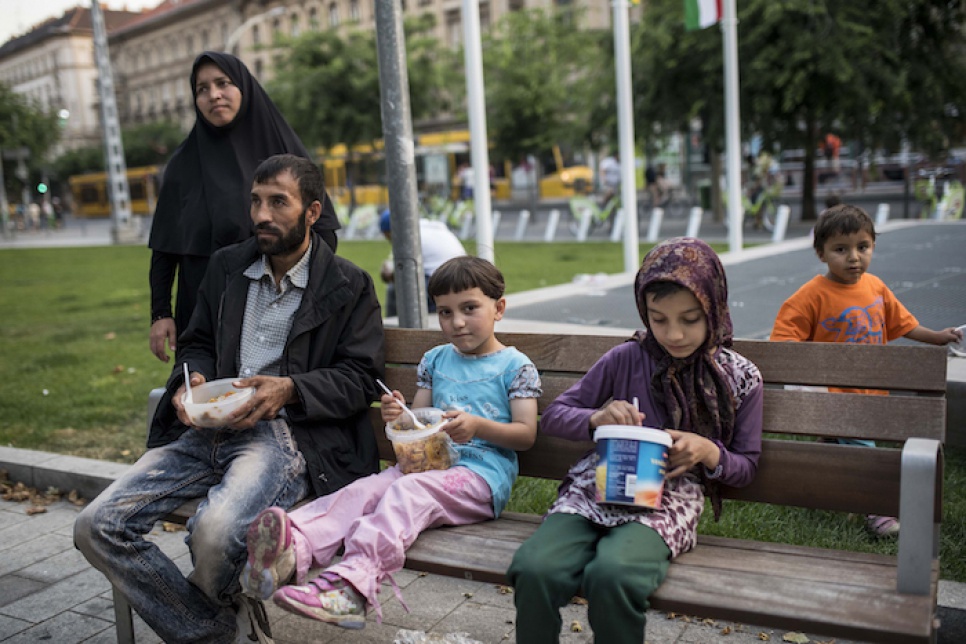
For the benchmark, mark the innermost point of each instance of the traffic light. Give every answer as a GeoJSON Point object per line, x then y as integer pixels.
{"type": "Point", "coordinates": [42, 188]}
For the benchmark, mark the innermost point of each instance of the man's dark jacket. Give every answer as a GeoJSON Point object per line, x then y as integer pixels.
{"type": "Point", "coordinates": [334, 352]}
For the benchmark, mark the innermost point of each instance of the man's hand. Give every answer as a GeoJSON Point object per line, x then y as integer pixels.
{"type": "Point", "coordinates": [196, 381]}
{"type": "Point", "coordinates": [271, 394]}
{"type": "Point", "coordinates": [163, 330]}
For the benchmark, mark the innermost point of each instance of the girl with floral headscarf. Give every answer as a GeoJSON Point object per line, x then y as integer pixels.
{"type": "Point", "coordinates": [689, 382]}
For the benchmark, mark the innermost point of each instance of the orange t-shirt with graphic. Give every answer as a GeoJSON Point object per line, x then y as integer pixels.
{"type": "Point", "coordinates": [866, 312]}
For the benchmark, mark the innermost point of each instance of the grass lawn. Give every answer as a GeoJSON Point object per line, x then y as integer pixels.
{"type": "Point", "coordinates": [76, 370]}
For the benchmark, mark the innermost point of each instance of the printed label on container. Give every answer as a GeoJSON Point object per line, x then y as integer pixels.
{"type": "Point", "coordinates": [631, 472]}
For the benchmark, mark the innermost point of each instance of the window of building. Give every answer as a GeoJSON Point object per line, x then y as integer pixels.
{"type": "Point", "coordinates": [333, 15]}
{"type": "Point", "coordinates": [258, 68]}
{"type": "Point", "coordinates": [515, 5]}
{"type": "Point", "coordinates": [204, 39]}
{"type": "Point", "coordinates": [190, 45]}
{"type": "Point", "coordinates": [454, 29]}
{"type": "Point", "coordinates": [256, 36]}
{"type": "Point", "coordinates": [354, 10]}
{"type": "Point", "coordinates": [224, 34]}
{"type": "Point", "coordinates": [276, 28]}
{"type": "Point", "coordinates": [313, 18]}
{"type": "Point", "coordinates": [484, 15]}
{"type": "Point", "coordinates": [295, 25]}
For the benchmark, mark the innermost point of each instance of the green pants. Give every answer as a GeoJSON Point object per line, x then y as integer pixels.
{"type": "Point", "coordinates": [617, 569]}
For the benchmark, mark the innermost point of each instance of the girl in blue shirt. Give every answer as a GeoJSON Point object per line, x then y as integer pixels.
{"type": "Point", "coordinates": [489, 393]}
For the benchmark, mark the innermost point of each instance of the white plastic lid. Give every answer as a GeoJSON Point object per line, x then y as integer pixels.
{"type": "Point", "coordinates": [632, 432]}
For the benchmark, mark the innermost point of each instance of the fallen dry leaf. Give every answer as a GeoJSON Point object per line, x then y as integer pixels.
{"type": "Point", "coordinates": [172, 527]}
{"type": "Point", "coordinates": [75, 499]}
{"type": "Point", "coordinates": [764, 637]}
{"type": "Point", "coordinates": [575, 627]}
{"type": "Point", "coordinates": [35, 509]}
{"type": "Point", "coordinates": [795, 638]}
{"type": "Point", "coordinates": [726, 630]}
{"type": "Point", "coordinates": [110, 335]}
{"type": "Point", "coordinates": [504, 590]}
{"type": "Point", "coordinates": [467, 595]}
{"type": "Point", "coordinates": [118, 368]}
{"type": "Point", "coordinates": [578, 601]}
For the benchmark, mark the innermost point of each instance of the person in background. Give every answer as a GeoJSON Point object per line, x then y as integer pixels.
{"type": "Point", "coordinates": [679, 374]}
{"type": "Point", "coordinates": [203, 203]}
{"type": "Point", "coordinates": [281, 313]}
{"type": "Point", "coordinates": [849, 304]}
{"type": "Point", "coordinates": [437, 244]}
{"type": "Point", "coordinates": [609, 177]}
{"type": "Point", "coordinates": [488, 392]}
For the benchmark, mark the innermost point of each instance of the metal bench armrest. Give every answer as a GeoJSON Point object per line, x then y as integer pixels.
{"type": "Point", "coordinates": [919, 529]}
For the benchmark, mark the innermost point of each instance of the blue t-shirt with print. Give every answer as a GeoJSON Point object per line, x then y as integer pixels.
{"type": "Point", "coordinates": [482, 386]}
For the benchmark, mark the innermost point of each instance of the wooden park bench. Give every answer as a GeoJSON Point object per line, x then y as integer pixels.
{"type": "Point", "coordinates": [827, 592]}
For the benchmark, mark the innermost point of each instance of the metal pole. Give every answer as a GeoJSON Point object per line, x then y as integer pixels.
{"type": "Point", "coordinates": [397, 128]}
{"type": "Point", "coordinates": [625, 134]}
{"type": "Point", "coordinates": [119, 192]}
{"type": "Point", "coordinates": [479, 152]}
{"type": "Point", "coordinates": [729, 40]}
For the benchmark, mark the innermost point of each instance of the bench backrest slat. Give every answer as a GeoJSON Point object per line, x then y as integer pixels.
{"type": "Point", "coordinates": [791, 472]}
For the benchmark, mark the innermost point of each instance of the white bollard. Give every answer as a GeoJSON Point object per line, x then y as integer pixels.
{"type": "Point", "coordinates": [617, 228]}
{"type": "Point", "coordinates": [467, 228]}
{"type": "Point", "coordinates": [522, 222]}
{"type": "Point", "coordinates": [694, 222]}
{"type": "Point", "coordinates": [584, 226]}
{"type": "Point", "coordinates": [495, 223]}
{"type": "Point", "coordinates": [781, 223]}
{"type": "Point", "coordinates": [654, 226]}
{"type": "Point", "coordinates": [552, 222]}
{"type": "Point", "coordinates": [882, 214]}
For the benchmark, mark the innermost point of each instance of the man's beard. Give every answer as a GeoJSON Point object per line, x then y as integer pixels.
{"type": "Point", "coordinates": [287, 243]}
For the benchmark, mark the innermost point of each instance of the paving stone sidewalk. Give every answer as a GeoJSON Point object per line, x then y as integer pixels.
{"type": "Point", "coordinates": [49, 593]}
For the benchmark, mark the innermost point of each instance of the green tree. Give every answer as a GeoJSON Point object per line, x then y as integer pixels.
{"type": "Point", "coordinates": [151, 143]}
{"type": "Point", "coordinates": [538, 92]}
{"type": "Point", "coordinates": [24, 125]}
{"type": "Point", "coordinates": [327, 84]}
{"type": "Point", "coordinates": [873, 71]}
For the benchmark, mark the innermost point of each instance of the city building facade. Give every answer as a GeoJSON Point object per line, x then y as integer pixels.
{"type": "Point", "coordinates": [52, 65]}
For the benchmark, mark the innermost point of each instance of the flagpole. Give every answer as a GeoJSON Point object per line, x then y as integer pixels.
{"type": "Point", "coordinates": [625, 134]}
{"type": "Point", "coordinates": [729, 41]}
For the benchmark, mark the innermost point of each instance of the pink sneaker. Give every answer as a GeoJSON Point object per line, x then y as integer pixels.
{"type": "Point", "coordinates": [330, 600]}
{"type": "Point", "coordinates": [882, 526]}
{"type": "Point", "coordinates": [271, 554]}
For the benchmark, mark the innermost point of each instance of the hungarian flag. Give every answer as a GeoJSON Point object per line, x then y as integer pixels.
{"type": "Point", "coordinates": [699, 14]}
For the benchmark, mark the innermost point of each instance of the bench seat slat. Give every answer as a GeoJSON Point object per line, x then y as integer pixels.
{"type": "Point", "coordinates": [863, 613]}
{"type": "Point", "coordinates": [768, 584]}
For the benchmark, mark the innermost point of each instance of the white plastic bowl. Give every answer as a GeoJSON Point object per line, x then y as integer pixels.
{"type": "Point", "coordinates": [419, 450]}
{"type": "Point", "coordinates": [226, 399]}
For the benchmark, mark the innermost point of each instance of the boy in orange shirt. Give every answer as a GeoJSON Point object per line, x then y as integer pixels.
{"type": "Point", "coordinates": [848, 304]}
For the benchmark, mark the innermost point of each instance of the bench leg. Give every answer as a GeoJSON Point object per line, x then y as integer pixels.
{"type": "Point", "coordinates": [123, 620]}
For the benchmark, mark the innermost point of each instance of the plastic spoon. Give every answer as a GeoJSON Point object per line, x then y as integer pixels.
{"type": "Point", "coordinates": [406, 409]}
{"type": "Point", "coordinates": [187, 384]}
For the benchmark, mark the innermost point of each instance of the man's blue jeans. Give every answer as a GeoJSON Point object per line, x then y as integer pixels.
{"type": "Point", "coordinates": [240, 473]}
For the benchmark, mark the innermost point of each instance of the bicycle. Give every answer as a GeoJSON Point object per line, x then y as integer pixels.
{"type": "Point", "coordinates": [941, 195]}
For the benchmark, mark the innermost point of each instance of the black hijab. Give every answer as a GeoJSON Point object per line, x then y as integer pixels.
{"type": "Point", "coordinates": [205, 196]}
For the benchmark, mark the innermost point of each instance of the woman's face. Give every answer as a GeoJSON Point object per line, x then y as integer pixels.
{"type": "Point", "coordinates": [216, 96]}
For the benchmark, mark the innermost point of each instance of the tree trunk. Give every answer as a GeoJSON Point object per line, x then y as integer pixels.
{"type": "Point", "coordinates": [808, 171]}
{"type": "Point", "coordinates": [716, 205]}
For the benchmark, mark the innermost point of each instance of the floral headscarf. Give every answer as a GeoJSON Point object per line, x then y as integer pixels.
{"type": "Point", "coordinates": [695, 391]}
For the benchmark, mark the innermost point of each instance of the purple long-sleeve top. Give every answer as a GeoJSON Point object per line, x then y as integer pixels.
{"type": "Point", "coordinates": [624, 373]}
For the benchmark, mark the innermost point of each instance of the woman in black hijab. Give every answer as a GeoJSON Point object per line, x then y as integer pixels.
{"type": "Point", "coordinates": [204, 199]}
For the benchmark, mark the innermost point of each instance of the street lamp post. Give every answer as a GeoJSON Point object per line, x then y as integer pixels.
{"type": "Point", "coordinates": [236, 35]}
